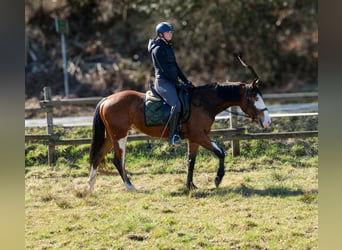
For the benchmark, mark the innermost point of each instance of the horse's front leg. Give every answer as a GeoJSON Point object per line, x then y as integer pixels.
{"type": "Point", "coordinates": [219, 152]}
{"type": "Point", "coordinates": [192, 153]}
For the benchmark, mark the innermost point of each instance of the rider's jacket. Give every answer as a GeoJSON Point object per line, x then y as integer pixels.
{"type": "Point", "coordinates": [164, 61]}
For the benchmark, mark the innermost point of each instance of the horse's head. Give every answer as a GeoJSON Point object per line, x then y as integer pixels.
{"type": "Point", "coordinates": [254, 105]}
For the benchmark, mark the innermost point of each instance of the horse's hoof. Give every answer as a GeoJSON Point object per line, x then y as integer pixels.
{"type": "Point", "coordinates": [217, 181]}
{"type": "Point", "coordinates": [133, 190]}
{"type": "Point", "coordinates": [191, 187]}
{"type": "Point", "coordinates": [89, 190]}
{"type": "Point", "coordinates": [130, 188]}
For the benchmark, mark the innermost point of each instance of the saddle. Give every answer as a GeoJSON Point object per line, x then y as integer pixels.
{"type": "Point", "coordinates": [157, 111]}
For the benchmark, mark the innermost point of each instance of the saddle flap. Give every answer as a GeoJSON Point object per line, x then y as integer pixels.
{"type": "Point", "coordinates": [157, 112]}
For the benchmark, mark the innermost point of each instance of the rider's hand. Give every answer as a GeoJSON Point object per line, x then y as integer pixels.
{"type": "Point", "coordinates": [189, 85]}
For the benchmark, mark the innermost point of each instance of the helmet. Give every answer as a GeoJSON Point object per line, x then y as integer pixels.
{"type": "Point", "coordinates": [163, 27]}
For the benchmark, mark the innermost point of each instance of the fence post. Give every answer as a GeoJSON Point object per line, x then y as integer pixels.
{"type": "Point", "coordinates": [233, 124]}
{"type": "Point", "coordinates": [49, 127]}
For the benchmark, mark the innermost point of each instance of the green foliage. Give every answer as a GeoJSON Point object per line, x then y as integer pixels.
{"type": "Point", "coordinates": [279, 38]}
{"type": "Point", "coordinates": [72, 155]}
{"type": "Point", "coordinates": [35, 154]}
{"type": "Point", "coordinates": [298, 150]}
{"type": "Point", "coordinates": [73, 132]}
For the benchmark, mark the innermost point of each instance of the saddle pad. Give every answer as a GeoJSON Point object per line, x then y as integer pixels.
{"type": "Point", "coordinates": [157, 111]}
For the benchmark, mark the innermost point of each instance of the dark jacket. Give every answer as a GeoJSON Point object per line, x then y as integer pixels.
{"type": "Point", "coordinates": [164, 61]}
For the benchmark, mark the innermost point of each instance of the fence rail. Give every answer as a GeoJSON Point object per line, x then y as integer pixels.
{"type": "Point", "coordinates": [228, 134]}
{"type": "Point", "coordinates": [94, 100]}
{"type": "Point", "coordinates": [234, 134]}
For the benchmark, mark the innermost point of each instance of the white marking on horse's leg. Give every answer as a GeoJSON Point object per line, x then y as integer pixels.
{"type": "Point", "coordinates": [91, 179]}
{"type": "Point", "coordinates": [122, 145]}
{"type": "Point", "coordinates": [217, 148]}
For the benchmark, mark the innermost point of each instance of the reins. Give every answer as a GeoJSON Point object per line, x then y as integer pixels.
{"type": "Point", "coordinates": [243, 115]}
{"type": "Point", "coordinates": [236, 113]}
{"type": "Point", "coordinates": [248, 103]}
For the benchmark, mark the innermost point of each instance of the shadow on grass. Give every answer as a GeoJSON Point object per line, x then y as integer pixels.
{"type": "Point", "coordinates": [243, 190]}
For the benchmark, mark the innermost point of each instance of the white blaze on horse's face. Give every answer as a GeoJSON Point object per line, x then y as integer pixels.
{"type": "Point", "coordinates": [260, 105]}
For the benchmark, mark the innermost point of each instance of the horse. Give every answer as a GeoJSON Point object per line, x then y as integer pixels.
{"type": "Point", "coordinates": [116, 114]}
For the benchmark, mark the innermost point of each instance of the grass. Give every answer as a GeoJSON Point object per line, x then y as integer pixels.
{"type": "Point", "coordinates": [268, 199]}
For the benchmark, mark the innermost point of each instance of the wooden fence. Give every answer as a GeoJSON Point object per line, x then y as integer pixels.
{"type": "Point", "coordinates": [233, 133]}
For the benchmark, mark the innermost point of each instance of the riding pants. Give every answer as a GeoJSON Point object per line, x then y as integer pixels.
{"type": "Point", "coordinates": [168, 91]}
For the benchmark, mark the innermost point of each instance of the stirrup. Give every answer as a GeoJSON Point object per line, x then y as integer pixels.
{"type": "Point", "coordinates": [174, 139]}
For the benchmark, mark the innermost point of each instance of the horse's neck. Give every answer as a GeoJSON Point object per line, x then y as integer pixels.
{"type": "Point", "coordinates": [228, 95]}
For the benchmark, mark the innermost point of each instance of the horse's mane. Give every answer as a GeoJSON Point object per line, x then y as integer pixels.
{"type": "Point", "coordinates": [210, 85]}
{"type": "Point", "coordinates": [230, 90]}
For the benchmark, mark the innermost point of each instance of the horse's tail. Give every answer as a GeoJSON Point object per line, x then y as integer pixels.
{"type": "Point", "coordinates": [98, 135]}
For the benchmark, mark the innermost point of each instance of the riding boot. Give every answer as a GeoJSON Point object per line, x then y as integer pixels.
{"type": "Point", "coordinates": [174, 136]}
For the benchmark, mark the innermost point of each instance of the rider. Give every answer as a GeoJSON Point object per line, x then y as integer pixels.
{"type": "Point", "coordinates": [167, 73]}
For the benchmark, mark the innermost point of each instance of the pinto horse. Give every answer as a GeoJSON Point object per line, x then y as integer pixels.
{"type": "Point", "coordinates": [116, 114]}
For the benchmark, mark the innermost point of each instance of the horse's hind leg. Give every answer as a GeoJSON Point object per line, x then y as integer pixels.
{"type": "Point", "coordinates": [104, 149]}
{"type": "Point", "coordinates": [119, 161]}
{"type": "Point", "coordinates": [192, 153]}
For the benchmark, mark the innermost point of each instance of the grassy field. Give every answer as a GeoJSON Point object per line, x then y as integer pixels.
{"type": "Point", "coordinates": [267, 199]}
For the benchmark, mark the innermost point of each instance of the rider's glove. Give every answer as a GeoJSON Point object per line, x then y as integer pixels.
{"type": "Point", "coordinates": [189, 85]}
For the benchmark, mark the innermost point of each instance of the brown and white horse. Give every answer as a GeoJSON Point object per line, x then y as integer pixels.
{"type": "Point", "coordinates": [116, 114]}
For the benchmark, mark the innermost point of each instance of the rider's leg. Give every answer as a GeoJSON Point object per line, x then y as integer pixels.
{"type": "Point", "coordinates": [169, 93]}
{"type": "Point", "coordinates": [174, 136]}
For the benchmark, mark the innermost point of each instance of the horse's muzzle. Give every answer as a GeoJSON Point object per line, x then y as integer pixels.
{"type": "Point", "coordinates": [265, 123]}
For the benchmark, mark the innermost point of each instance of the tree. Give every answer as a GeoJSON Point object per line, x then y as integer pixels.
{"type": "Point", "coordinates": [278, 38]}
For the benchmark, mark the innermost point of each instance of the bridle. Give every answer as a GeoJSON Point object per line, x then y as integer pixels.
{"type": "Point", "coordinates": [249, 103]}
{"type": "Point", "coordinates": [256, 111]}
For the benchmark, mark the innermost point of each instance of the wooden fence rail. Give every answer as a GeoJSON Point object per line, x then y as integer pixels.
{"type": "Point", "coordinates": [94, 100]}
{"type": "Point", "coordinates": [227, 134]}
{"type": "Point", "coordinates": [234, 134]}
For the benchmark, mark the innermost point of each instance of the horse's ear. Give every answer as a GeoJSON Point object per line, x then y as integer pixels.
{"type": "Point", "coordinates": [256, 82]}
